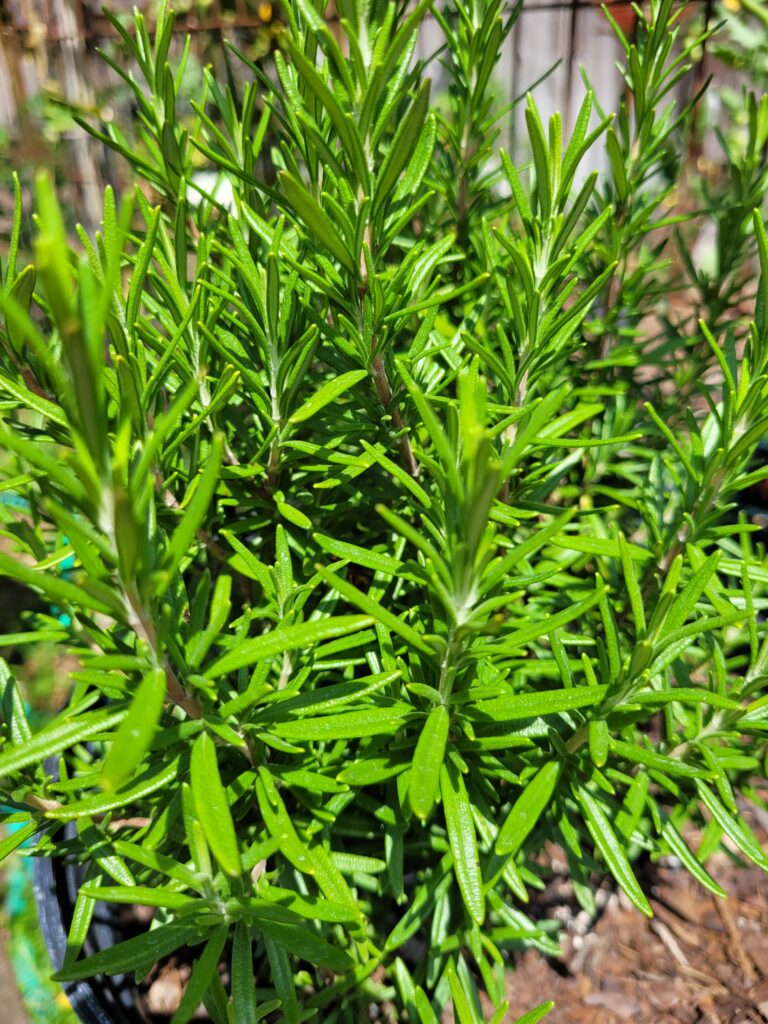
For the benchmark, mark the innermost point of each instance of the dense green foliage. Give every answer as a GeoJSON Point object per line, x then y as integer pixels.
{"type": "Point", "coordinates": [374, 515]}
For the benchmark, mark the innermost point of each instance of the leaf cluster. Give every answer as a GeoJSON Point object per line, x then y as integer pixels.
{"type": "Point", "coordinates": [383, 561]}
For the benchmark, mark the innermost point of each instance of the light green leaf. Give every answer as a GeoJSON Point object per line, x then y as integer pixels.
{"type": "Point", "coordinates": [29, 400]}
{"type": "Point", "coordinates": [462, 1007]}
{"type": "Point", "coordinates": [202, 972]}
{"type": "Point", "coordinates": [14, 714]}
{"type": "Point", "coordinates": [279, 824]}
{"type": "Point", "coordinates": [600, 546]}
{"type": "Point", "coordinates": [403, 146]}
{"type": "Point", "coordinates": [685, 695]}
{"type": "Point", "coordinates": [345, 726]}
{"type": "Point", "coordinates": [303, 943]}
{"type": "Point", "coordinates": [315, 218]}
{"type": "Point", "coordinates": [82, 915]}
{"type": "Point", "coordinates": [499, 1014]}
{"type": "Point", "coordinates": [377, 611]}
{"type": "Point", "coordinates": [344, 123]}
{"type": "Point", "coordinates": [463, 840]}
{"type": "Point", "coordinates": [135, 734]}
{"type": "Point", "coordinates": [282, 979]}
{"type": "Point", "coordinates": [527, 809]}
{"type": "Point", "coordinates": [547, 623]}
{"type": "Point", "coordinates": [60, 591]}
{"type": "Point", "coordinates": [143, 951]}
{"type": "Point", "coordinates": [286, 638]}
{"type": "Point", "coordinates": [243, 981]}
{"type": "Point", "coordinates": [737, 830]}
{"type": "Point", "coordinates": [328, 393]}
{"type": "Point", "coordinates": [159, 862]}
{"type": "Point", "coordinates": [534, 705]}
{"type": "Point", "coordinates": [15, 839]}
{"type": "Point", "coordinates": [59, 736]}
{"type": "Point", "coordinates": [680, 848]}
{"type": "Point", "coordinates": [150, 781]}
{"type": "Point", "coordinates": [212, 806]}
{"type": "Point", "coordinates": [536, 1014]}
{"type": "Point", "coordinates": [611, 849]}
{"type": "Point", "coordinates": [424, 1008]}
{"type": "Point", "coordinates": [197, 508]}
{"type": "Point", "coordinates": [313, 908]}
{"type": "Point", "coordinates": [427, 762]}
{"type": "Point", "coordinates": [139, 895]}
{"type": "Point", "coordinates": [360, 556]}
{"type": "Point", "coordinates": [641, 755]}
{"type": "Point", "coordinates": [598, 741]}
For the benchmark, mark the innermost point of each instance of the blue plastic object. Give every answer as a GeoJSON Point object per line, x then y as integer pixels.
{"type": "Point", "coordinates": [14, 500]}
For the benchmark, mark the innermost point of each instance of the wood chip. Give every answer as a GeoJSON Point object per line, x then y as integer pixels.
{"type": "Point", "coordinates": [681, 930]}
{"type": "Point", "coordinates": [669, 941]}
{"type": "Point", "coordinates": [724, 909]}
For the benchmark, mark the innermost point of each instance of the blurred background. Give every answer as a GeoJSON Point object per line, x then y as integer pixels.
{"type": "Point", "coordinates": [52, 69]}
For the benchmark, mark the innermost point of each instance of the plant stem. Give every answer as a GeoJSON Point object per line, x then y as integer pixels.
{"type": "Point", "coordinates": [448, 665]}
{"type": "Point", "coordinates": [510, 433]}
{"type": "Point", "coordinates": [41, 803]}
{"type": "Point", "coordinates": [145, 630]}
{"type": "Point", "coordinates": [384, 391]}
{"type": "Point", "coordinates": [379, 371]}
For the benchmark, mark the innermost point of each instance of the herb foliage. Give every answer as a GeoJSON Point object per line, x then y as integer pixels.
{"type": "Point", "coordinates": [374, 519]}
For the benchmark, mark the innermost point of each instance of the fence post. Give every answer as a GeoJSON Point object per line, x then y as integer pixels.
{"type": "Point", "coordinates": [72, 61]}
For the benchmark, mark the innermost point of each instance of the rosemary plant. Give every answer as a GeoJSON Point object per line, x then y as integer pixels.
{"type": "Point", "coordinates": [360, 505]}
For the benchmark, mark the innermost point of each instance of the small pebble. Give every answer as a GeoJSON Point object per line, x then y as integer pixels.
{"type": "Point", "coordinates": [582, 923]}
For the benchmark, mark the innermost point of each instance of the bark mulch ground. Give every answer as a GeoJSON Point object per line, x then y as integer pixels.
{"type": "Point", "coordinates": [700, 960]}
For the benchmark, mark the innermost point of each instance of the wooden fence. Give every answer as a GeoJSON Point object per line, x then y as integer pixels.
{"type": "Point", "coordinates": [48, 50]}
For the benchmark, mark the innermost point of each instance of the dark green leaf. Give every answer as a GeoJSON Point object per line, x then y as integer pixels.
{"type": "Point", "coordinates": [143, 951]}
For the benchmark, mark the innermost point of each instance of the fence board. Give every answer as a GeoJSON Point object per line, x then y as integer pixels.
{"type": "Point", "coordinates": [42, 40]}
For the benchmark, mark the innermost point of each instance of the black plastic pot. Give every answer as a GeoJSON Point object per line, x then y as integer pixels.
{"type": "Point", "coordinates": [101, 1000]}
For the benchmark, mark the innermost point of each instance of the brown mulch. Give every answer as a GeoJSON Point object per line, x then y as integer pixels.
{"type": "Point", "coordinates": [700, 960]}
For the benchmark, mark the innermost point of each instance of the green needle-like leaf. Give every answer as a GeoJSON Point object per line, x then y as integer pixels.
{"type": "Point", "coordinates": [428, 761]}
{"type": "Point", "coordinates": [536, 1014]}
{"type": "Point", "coordinates": [142, 951]}
{"type": "Point", "coordinates": [243, 981]}
{"type": "Point", "coordinates": [527, 809]}
{"type": "Point", "coordinates": [55, 738]}
{"type": "Point", "coordinates": [136, 731]}
{"type": "Point", "coordinates": [200, 978]}
{"type": "Point", "coordinates": [287, 638]}
{"type": "Point", "coordinates": [611, 849]}
{"type": "Point", "coordinates": [212, 805]}
{"type": "Point", "coordinates": [197, 509]}
{"type": "Point", "coordinates": [463, 840]}
{"type": "Point", "coordinates": [329, 392]}
{"type": "Point", "coordinates": [316, 220]}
